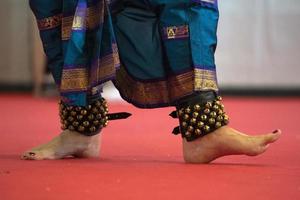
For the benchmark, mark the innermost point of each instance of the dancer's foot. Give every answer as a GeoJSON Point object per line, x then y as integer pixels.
{"type": "Point", "coordinates": [226, 141]}
{"type": "Point", "coordinates": [68, 143]}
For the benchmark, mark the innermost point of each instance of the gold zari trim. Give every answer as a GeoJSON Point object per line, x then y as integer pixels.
{"type": "Point", "coordinates": [105, 67]}
{"type": "Point", "coordinates": [74, 79]}
{"type": "Point", "coordinates": [165, 92]}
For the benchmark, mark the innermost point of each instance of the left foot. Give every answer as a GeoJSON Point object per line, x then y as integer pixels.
{"type": "Point", "coordinates": [68, 143]}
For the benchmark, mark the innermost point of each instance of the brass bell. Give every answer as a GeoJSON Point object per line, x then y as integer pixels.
{"type": "Point", "coordinates": [213, 114]}
{"type": "Point", "coordinates": [208, 105]}
{"type": "Point", "coordinates": [93, 129]}
{"type": "Point", "coordinates": [195, 114]}
{"type": "Point", "coordinates": [102, 121]}
{"type": "Point", "coordinates": [91, 117]}
{"type": "Point", "coordinates": [184, 124]}
{"type": "Point", "coordinates": [203, 117]}
{"type": "Point", "coordinates": [198, 131]}
{"type": "Point", "coordinates": [73, 113]}
{"type": "Point", "coordinates": [98, 103]}
{"type": "Point", "coordinates": [218, 124]}
{"type": "Point", "coordinates": [186, 117]}
{"type": "Point", "coordinates": [86, 123]}
{"type": "Point", "coordinates": [220, 112]}
{"type": "Point", "coordinates": [220, 118]}
{"type": "Point", "coordinates": [206, 111]}
{"type": "Point", "coordinates": [83, 112]}
{"type": "Point", "coordinates": [102, 108]}
{"type": "Point", "coordinates": [69, 108]}
{"type": "Point", "coordinates": [211, 121]}
{"type": "Point", "coordinates": [89, 107]}
{"type": "Point", "coordinates": [197, 107]}
{"type": "Point", "coordinates": [63, 117]}
{"type": "Point", "coordinates": [75, 124]}
{"type": "Point", "coordinates": [193, 121]}
{"type": "Point", "coordinates": [96, 122]}
{"type": "Point", "coordinates": [66, 122]}
{"type": "Point", "coordinates": [216, 107]}
{"type": "Point", "coordinates": [78, 108]}
{"type": "Point", "coordinates": [188, 110]}
{"type": "Point", "coordinates": [206, 128]}
{"type": "Point", "coordinates": [71, 128]}
{"type": "Point", "coordinates": [64, 127]}
{"type": "Point", "coordinates": [225, 119]}
{"type": "Point", "coordinates": [180, 112]}
{"type": "Point", "coordinates": [200, 124]}
{"type": "Point", "coordinates": [81, 129]}
{"type": "Point", "coordinates": [188, 134]}
{"type": "Point", "coordinates": [98, 116]}
{"type": "Point", "coordinates": [218, 103]}
{"type": "Point", "coordinates": [61, 105]}
{"type": "Point", "coordinates": [106, 123]}
{"type": "Point", "coordinates": [95, 110]}
{"type": "Point", "coordinates": [219, 98]}
{"type": "Point", "coordinates": [222, 106]}
{"type": "Point", "coordinates": [70, 119]}
{"type": "Point", "coordinates": [65, 113]}
{"type": "Point", "coordinates": [79, 117]}
{"type": "Point", "coordinates": [190, 128]}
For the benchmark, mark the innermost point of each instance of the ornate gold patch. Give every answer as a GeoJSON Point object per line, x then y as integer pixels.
{"type": "Point", "coordinates": [176, 32]}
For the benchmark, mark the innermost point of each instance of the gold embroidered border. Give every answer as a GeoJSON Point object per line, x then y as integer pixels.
{"type": "Point", "coordinates": [49, 22]}
{"type": "Point", "coordinates": [95, 17]}
{"type": "Point", "coordinates": [74, 80]}
{"type": "Point", "coordinates": [105, 67]}
{"type": "Point", "coordinates": [165, 92]}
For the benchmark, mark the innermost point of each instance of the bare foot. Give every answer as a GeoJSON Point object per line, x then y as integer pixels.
{"type": "Point", "coordinates": [226, 141]}
{"type": "Point", "coordinates": [68, 143]}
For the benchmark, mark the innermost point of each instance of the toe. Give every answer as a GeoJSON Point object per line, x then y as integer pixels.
{"type": "Point", "coordinates": [272, 137]}
{"type": "Point", "coordinates": [29, 156]}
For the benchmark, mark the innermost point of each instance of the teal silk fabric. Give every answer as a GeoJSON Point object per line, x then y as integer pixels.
{"type": "Point", "coordinates": [155, 51]}
{"type": "Point", "coordinates": [80, 45]}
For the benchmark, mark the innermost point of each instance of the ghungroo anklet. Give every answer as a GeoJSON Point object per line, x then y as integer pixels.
{"type": "Point", "coordinates": [88, 120]}
{"type": "Point", "coordinates": [198, 120]}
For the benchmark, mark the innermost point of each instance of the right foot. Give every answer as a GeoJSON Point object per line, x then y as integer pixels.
{"type": "Point", "coordinates": [68, 143]}
{"type": "Point", "coordinates": [226, 141]}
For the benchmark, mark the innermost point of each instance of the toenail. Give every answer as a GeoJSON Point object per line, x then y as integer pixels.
{"type": "Point", "coordinates": [276, 131]}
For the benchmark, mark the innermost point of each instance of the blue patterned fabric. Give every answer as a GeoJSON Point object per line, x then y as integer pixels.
{"type": "Point", "coordinates": [80, 45]}
{"type": "Point", "coordinates": [166, 48]}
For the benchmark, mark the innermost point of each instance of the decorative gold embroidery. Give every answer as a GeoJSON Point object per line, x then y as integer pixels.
{"type": "Point", "coordinates": [165, 92]}
{"type": "Point", "coordinates": [176, 32]}
{"type": "Point", "coordinates": [74, 80]}
{"type": "Point", "coordinates": [49, 22]}
{"type": "Point", "coordinates": [105, 67]}
{"type": "Point", "coordinates": [95, 16]}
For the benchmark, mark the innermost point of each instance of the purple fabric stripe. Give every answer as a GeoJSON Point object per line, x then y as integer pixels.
{"type": "Point", "coordinates": [209, 4]}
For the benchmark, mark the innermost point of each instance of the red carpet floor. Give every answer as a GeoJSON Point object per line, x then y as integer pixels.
{"type": "Point", "coordinates": [142, 160]}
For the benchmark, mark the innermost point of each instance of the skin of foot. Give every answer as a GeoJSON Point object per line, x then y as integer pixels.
{"type": "Point", "coordinates": [68, 143]}
{"type": "Point", "coordinates": [226, 141]}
